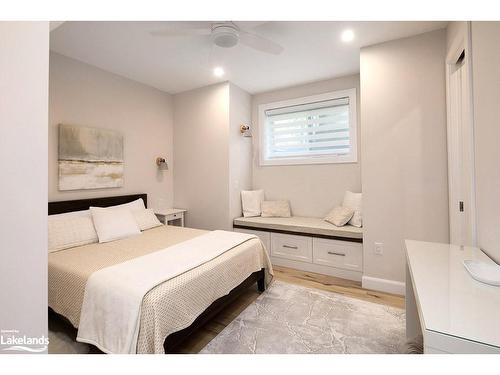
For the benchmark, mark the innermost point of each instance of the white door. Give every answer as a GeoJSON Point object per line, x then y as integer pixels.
{"type": "Point", "coordinates": [460, 151]}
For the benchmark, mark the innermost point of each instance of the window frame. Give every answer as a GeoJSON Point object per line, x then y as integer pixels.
{"type": "Point", "coordinates": [313, 159]}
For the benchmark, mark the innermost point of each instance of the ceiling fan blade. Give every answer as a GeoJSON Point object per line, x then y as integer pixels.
{"type": "Point", "coordinates": [248, 25]}
{"type": "Point", "coordinates": [181, 32]}
{"type": "Point", "coordinates": [260, 43]}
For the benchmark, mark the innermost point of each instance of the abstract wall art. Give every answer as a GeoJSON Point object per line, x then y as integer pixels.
{"type": "Point", "coordinates": [89, 158]}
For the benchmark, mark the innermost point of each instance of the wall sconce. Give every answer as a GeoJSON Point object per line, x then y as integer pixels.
{"type": "Point", "coordinates": [245, 130]}
{"type": "Point", "coordinates": [161, 163]}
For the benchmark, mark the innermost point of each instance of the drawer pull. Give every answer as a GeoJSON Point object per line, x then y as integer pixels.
{"type": "Point", "coordinates": [333, 253]}
{"type": "Point", "coordinates": [290, 247]}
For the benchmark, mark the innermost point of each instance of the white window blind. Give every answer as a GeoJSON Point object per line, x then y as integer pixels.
{"type": "Point", "coordinates": [309, 130]}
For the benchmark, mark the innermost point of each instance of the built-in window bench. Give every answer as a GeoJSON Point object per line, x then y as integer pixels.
{"type": "Point", "coordinates": [309, 244]}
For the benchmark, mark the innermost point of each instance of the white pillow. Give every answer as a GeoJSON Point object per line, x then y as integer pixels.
{"type": "Point", "coordinates": [251, 201]}
{"type": "Point", "coordinates": [65, 232]}
{"type": "Point", "coordinates": [339, 216]}
{"type": "Point", "coordinates": [84, 213]}
{"type": "Point", "coordinates": [276, 209]}
{"type": "Point", "coordinates": [114, 223]}
{"type": "Point", "coordinates": [138, 204]}
{"type": "Point", "coordinates": [353, 200]}
{"type": "Point", "coordinates": [146, 219]}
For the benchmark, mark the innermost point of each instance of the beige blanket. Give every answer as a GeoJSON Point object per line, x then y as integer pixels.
{"type": "Point", "coordinates": [167, 308]}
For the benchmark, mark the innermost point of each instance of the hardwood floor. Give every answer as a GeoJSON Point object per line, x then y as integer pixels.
{"type": "Point", "coordinates": [337, 285]}
{"type": "Point", "coordinates": [353, 289]}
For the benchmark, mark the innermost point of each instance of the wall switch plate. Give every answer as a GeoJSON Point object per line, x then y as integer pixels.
{"type": "Point", "coordinates": [379, 248]}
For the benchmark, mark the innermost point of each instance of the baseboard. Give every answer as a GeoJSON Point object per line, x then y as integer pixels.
{"type": "Point", "coordinates": [383, 285]}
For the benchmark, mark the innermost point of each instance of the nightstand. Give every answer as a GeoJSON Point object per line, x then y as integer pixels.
{"type": "Point", "coordinates": [171, 216]}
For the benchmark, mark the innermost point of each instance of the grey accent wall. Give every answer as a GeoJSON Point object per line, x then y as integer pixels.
{"type": "Point", "coordinates": [24, 68]}
{"type": "Point", "coordinates": [404, 154]}
{"type": "Point", "coordinates": [81, 94]}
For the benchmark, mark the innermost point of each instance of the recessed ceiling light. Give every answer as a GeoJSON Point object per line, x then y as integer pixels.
{"type": "Point", "coordinates": [347, 36]}
{"type": "Point", "coordinates": [218, 72]}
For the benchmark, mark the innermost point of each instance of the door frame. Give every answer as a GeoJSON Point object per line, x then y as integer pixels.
{"type": "Point", "coordinates": [462, 44]}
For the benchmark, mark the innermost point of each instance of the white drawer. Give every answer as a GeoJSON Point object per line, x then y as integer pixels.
{"type": "Point", "coordinates": [172, 217]}
{"type": "Point", "coordinates": [341, 254]}
{"type": "Point", "coordinates": [265, 237]}
{"type": "Point", "coordinates": [291, 247]}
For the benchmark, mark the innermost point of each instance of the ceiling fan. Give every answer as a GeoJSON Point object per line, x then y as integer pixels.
{"type": "Point", "coordinates": [223, 34]}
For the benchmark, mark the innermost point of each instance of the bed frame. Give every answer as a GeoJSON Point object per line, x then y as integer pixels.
{"type": "Point", "coordinates": [172, 341]}
{"type": "Point", "coordinates": [62, 207]}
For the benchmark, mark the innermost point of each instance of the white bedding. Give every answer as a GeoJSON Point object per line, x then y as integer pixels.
{"type": "Point", "coordinates": [113, 295]}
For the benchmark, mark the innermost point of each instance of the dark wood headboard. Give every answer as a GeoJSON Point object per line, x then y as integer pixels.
{"type": "Point", "coordinates": [61, 207]}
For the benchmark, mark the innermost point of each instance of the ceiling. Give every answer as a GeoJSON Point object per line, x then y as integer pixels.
{"type": "Point", "coordinates": [312, 51]}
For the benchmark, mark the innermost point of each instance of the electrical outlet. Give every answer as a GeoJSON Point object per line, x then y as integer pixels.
{"type": "Point", "coordinates": [379, 248]}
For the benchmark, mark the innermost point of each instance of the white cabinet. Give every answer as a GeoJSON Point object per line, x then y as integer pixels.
{"type": "Point", "coordinates": [453, 312]}
{"type": "Point", "coordinates": [265, 237]}
{"type": "Point", "coordinates": [340, 258]}
{"type": "Point", "coordinates": [342, 254]}
{"type": "Point", "coordinates": [291, 247]}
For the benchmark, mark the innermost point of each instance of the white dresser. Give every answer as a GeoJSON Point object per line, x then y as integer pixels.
{"type": "Point", "coordinates": [453, 312]}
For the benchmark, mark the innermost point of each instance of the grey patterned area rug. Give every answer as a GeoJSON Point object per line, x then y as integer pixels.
{"type": "Point", "coordinates": [289, 318]}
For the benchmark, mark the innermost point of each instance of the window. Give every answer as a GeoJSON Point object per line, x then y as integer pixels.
{"type": "Point", "coordinates": [312, 130]}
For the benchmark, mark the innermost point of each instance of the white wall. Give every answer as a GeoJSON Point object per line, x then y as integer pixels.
{"type": "Point", "coordinates": [212, 159]}
{"type": "Point", "coordinates": [486, 88]}
{"type": "Point", "coordinates": [456, 33]}
{"type": "Point", "coordinates": [404, 156]}
{"type": "Point", "coordinates": [201, 154]}
{"type": "Point", "coordinates": [313, 190]}
{"type": "Point", "coordinates": [82, 94]}
{"type": "Point", "coordinates": [24, 69]}
{"type": "Point", "coordinates": [240, 148]}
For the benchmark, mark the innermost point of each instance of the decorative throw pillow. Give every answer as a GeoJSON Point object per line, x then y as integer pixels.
{"type": "Point", "coordinates": [146, 219]}
{"type": "Point", "coordinates": [65, 232]}
{"type": "Point", "coordinates": [251, 201]}
{"type": "Point", "coordinates": [276, 209]}
{"type": "Point", "coordinates": [339, 216]}
{"type": "Point", "coordinates": [114, 223]}
{"type": "Point", "coordinates": [353, 200]}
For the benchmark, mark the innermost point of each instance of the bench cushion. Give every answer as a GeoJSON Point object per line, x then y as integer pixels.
{"type": "Point", "coordinates": [298, 224]}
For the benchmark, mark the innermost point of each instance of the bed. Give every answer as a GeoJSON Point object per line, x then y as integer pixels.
{"type": "Point", "coordinates": [172, 310]}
